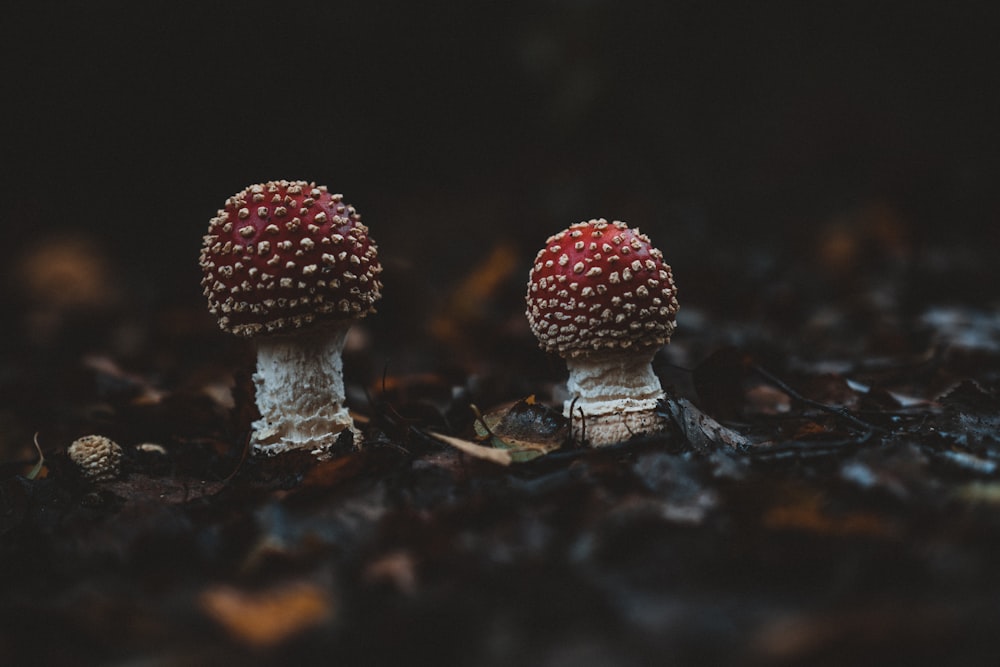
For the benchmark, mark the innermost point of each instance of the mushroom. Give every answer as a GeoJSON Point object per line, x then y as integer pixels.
{"type": "Point", "coordinates": [602, 297]}
{"type": "Point", "coordinates": [292, 266]}
{"type": "Point", "coordinates": [98, 458]}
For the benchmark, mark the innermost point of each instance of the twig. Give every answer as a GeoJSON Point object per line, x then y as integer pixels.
{"type": "Point", "coordinates": [841, 412]}
{"type": "Point", "coordinates": [583, 423]}
{"type": "Point", "coordinates": [243, 458]}
{"type": "Point", "coordinates": [809, 450]}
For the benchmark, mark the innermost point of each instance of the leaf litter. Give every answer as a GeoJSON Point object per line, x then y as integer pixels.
{"type": "Point", "coordinates": [815, 483]}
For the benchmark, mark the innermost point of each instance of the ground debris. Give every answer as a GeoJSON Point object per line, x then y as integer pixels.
{"type": "Point", "coordinates": [702, 432]}
{"type": "Point", "coordinates": [264, 618]}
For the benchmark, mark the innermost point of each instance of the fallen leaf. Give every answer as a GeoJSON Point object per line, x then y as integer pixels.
{"type": "Point", "coordinates": [397, 568]}
{"type": "Point", "coordinates": [468, 303]}
{"type": "Point", "coordinates": [704, 433]}
{"type": "Point", "coordinates": [173, 490]}
{"type": "Point", "coordinates": [268, 617]}
{"type": "Point", "coordinates": [985, 493]}
{"type": "Point", "coordinates": [492, 454]}
{"type": "Point", "coordinates": [526, 428]}
{"type": "Point", "coordinates": [807, 514]}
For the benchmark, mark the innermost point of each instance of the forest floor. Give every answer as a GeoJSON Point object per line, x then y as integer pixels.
{"type": "Point", "coordinates": [828, 492]}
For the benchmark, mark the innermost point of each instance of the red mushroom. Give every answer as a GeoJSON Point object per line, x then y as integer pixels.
{"type": "Point", "coordinates": [292, 265]}
{"type": "Point", "coordinates": [602, 297]}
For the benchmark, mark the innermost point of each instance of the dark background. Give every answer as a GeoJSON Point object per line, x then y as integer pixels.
{"type": "Point", "coordinates": [456, 127]}
{"type": "Point", "coordinates": [502, 118]}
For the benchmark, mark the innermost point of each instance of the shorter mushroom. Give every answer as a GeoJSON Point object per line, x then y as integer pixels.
{"type": "Point", "coordinates": [601, 296]}
{"type": "Point", "coordinates": [98, 458]}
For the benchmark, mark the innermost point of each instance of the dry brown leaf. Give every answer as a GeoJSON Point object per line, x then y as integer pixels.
{"type": "Point", "coordinates": [465, 306]}
{"type": "Point", "coordinates": [397, 568]}
{"type": "Point", "coordinates": [492, 454]}
{"type": "Point", "coordinates": [67, 271]}
{"type": "Point", "coordinates": [808, 515]}
{"type": "Point", "coordinates": [704, 433]}
{"type": "Point", "coordinates": [526, 428]}
{"type": "Point", "coordinates": [269, 617]}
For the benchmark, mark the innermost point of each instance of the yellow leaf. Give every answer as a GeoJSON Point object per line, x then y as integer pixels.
{"type": "Point", "coordinates": [266, 618]}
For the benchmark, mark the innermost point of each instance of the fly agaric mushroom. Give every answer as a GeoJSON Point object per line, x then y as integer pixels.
{"type": "Point", "coordinates": [602, 297]}
{"type": "Point", "coordinates": [291, 265]}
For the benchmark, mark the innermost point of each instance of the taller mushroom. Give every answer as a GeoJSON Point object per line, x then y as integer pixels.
{"type": "Point", "coordinates": [601, 296]}
{"type": "Point", "coordinates": [291, 265]}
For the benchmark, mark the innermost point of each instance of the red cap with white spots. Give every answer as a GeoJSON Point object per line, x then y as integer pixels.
{"type": "Point", "coordinates": [284, 254]}
{"type": "Point", "coordinates": [600, 285]}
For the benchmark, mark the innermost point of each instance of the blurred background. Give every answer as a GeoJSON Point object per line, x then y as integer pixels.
{"type": "Point", "coordinates": [778, 154]}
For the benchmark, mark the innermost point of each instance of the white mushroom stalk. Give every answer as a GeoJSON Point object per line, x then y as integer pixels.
{"type": "Point", "coordinates": [300, 391]}
{"type": "Point", "coordinates": [602, 298]}
{"type": "Point", "coordinates": [613, 397]}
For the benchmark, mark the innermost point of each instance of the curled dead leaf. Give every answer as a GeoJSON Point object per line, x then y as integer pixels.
{"type": "Point", "coordinates": [702, 432]}
{"type": "Point", "coordinates": [526, 428]}
{"type": "Point", "coordinates": [515, 433]}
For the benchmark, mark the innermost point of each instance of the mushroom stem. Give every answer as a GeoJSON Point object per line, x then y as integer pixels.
{"type": "Point", "coordinates": [300, 391]}
{"type": "Point", "coordinates": [613, 396]}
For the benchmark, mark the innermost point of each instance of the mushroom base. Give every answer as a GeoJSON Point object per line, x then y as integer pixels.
{"type": "Point", "coordinates": [300, 392]}
{"type": "Point", "coordinates": [613, 396]}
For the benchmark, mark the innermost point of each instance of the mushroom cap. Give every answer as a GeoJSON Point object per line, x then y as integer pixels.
{"type": "Point", "coordinates": [600, 286]}
{"type": "Point", "coordinates": [284, 254]}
